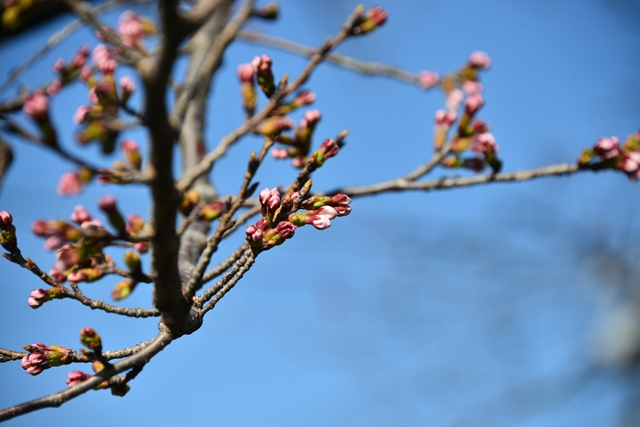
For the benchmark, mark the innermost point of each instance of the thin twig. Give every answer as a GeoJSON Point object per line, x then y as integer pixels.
{"type": "Point", "coordinates": [401, 184]}
{"type": "Point", "coordinates": [224, 265]}
{"type": "Point", "coordinates": [344, 61]}
{"type": "Point", "coordinates": [224, 286]}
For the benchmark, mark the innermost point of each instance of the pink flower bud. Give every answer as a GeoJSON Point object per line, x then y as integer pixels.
{"type": "Point", "coordinates": [428, 79]}
{"type": "Point", "coordinates": [107, 203]}
{"type": "Point", "coordinates": [473, 104]}
{"type": "Point", "coordinates": [329, 148]}
{"type": "Point", "coordinates": [262, 65]}
{"type": "Point", "coordinates": [36, 107]}
{"type": "Point", "coordinates": [5, 219]}
{"type": "Point", "coordinates": [81, 114]}
{"type": "Point", "coordinates": [321, 218]}
{"type": "Point", "coordinates": [142, 247]}
{"type": "Point", "coordinates": [444, 119]}
{"type": "Point", "coordinates": [76, 377]}
{"type": "Point", "coordinates": [57, 275]}
{"type": "Point", "coordinates": [630, 163]}
{"type": "Point", "coordinates": [80, 58]}
{"type": "Point", "coordinates": [310, 118]}
{"type": "Point", "coordinates": [485, 143]}
{"type": "Point", "coordinates": [305, 97]}
{"type": "Point", "coordinates": [85, 73]}
{"type": "Point", "coordinates": [270, 201]}
{"type": "Point", "coordinates": [245, 73]}
{"type": "Point", "coordinates": [472, 87]}
{"type": "Point", "coordinates": [37, 298]}
{"type": "Point", "coordinates": [54, 87]}
{"type": "Point", "coordinates": [275, 125]}
{"type": "Point", "coordinates": [128, 86]}
{"type": "Point", "coordinates": [68, 256]}
{"type": "Point", "coordinates": [480, 126]}
{"type": "Point", "coordinates": [104, 58]}
{"type": "Point", "coordinates": [130, 27]}
{"type": "Point", "coordinates": [80, 215]}
{"type": "Point", "coordinates": [454, 99]}
{"type": "Point", "coordinates": [479, 60]}
{"type": "Point", "coordinates": [70, 184]}
{"type": "Point", "coordinates": [378, 15]}
{"type": "Point", "coordinates": [131, 153]}
{"type": "Point", "coordinates": [58, 65]}
{"type": "Point", "coordinates": [607, 148]}
{"type": "Point", "coordinates": [279, 153]}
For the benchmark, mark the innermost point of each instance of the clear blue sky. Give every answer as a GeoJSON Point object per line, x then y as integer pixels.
{"type": "Point", "coordinates": [458, 308]}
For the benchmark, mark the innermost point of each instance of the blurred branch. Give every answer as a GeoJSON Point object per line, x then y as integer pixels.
{"type": "Point", "coordinates": [402, 184]}
{"type": "Point", "coordinates": [365, 67]}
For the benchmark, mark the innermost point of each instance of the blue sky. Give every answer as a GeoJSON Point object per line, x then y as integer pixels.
{"type": "Point", "coordinates": [456, 308]}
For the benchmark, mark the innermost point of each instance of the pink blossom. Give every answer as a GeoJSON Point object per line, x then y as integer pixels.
{"type": "Point", "coordinates": [70, 184]}
{"type": "Point", "coordinates": [297, 162]}
{"type": "Point", "coordinates": [142, 247]}
{"type": "Point", "coordinates": [607, 148]}
{"type": "Point", "coordinates": [321, 218]}
{"type": "Point", "coordinates": [428, 79]}
{"type": "Point", "coordinates": [630, 163]}
{"type": "Point", "coordinates": [77, 276]}
{"type": "Point", "coordinates": [36, 107]}
{"type": "Point", "coordinates": [130, 27]}
{"type": "Point", "coordinates": [479, 60]}
{"type": "Point", "coordinates": [245, 73]}
{"type": "Point", "coordinates": [128, 86]}
{"type": "Point", "coordinates": [92, 225]}
{"type": "Point", "coordinates": [340, 202]}
{"type": "Point", "coordinates": [57, 275]}
{"type": "Point", "coordinates": [54, 241]}
{"type": "Point", "coordinates": [454, 99]}
{"type": "Point", "coordinates": [473, 104]}
{"type": "Point", "coordinates": [34, 363]}
{"type": "Point", "coordinates": [104, 58]}
{"type": "Point", "coordinates": [37, 298]}
{"type": "Point", "coordinates": [444, 118]}
{"type": "Point", "coordinates": [58, 65]}
{"type": "Point", "coordinates": [378, 15]}
{"type": "Point", "coordinates": [81, 114]}
{"type": "Point", "coordinates": [472, 87]}
{"type": "Point", "coordinates": [76, 377]}
{"type": "Point", "coordinates": [279, 153]}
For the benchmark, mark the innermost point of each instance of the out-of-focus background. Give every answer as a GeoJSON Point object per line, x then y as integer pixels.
{"type": "Point", "coordinates": [505, 305]}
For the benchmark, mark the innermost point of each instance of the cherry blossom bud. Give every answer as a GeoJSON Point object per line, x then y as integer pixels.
{"type": "Point", "coordinates": [76, 377]}
{"type": "Point", "coordinates": [57, 275]}
{"type": "Point", "coordinates": [454, 99]}
{"type": "Point", "coordinates": [58, 65]}
{"type": "Point", "coordinates": [480, 126]}
{"type": "Point", "coordinates": [479, 60]}
{"type": "Point", "coordinates": [375, 17]}
{"type": "Point", "coordinates": [473, 104]}
{"type": "Point", "coordinates": [262, 68]}
{"type": "Point", "coordinates": [81, 114]}
{"type": "Point", "coordinates": [54, 87]}
{"type": "Point", "coordinates": [70, 184]}
{"type": "Point", "coordinates": [128, 86]}
{"type": "Point", "coordinates": [428, 79]}
{"type": "Point", "coordinates": [131, 153]}
{"type": "Point", "coordinates": [132, 261]}
{"type": "Point", "coordinates": [36, 107]}
{"type": "Point", "coordinates": [85, 74]}
{"type": "Point", "coordinates": [37, 298]}
{"type": "Point", "coordinates": [211, 211]}
{"type": "Point", "coordinates": [34, 363]}
{"type": "Point", "coordinates": [472, 87]}
{"type": "Point", "coordinates": [104, 58]}
{"type": "Point", "coordinates": [68, 256]}
{"type": "Point", "coordinates": [135, 224]}
{"type": "Point", "coordinates": [328, 149]}
{"type": "Point", "coordinates": [142, 247]}
{"type": "Point", "coordinates": [131, 28]}
{"type": "Point", "coordinates": [607, 148]}
{"type": "Point", "coordinates": [107, 204]}
{"type": "Point", "coordinates": [246, 73]}
{"type": "Point", "coordinates": [90, 339]}
{"type": "Point", "coordinates": [80, 215]}
{"type": "Point", "coordinates": [485, 143]}
{"type": "Point", "coordinates": [274, 237]}
{"type": "Point", "coordinates": [5, 219]}
{"type": "Point", "coordinates": [630, 163]}
{"type": "Point", "coordinates": [279, 153]}
{"type": "Point", "coordinates": [310, 118]}
{"type": "Point", "coordinates": [122, 290]}
{"type": "Point", "coordinates": [444, 119]}
{"type": "Point", "coordinates": [8, 238]}
{"type": "Point", "coordinates": [275, 125]}
{"type": "Point", "coordinates": [320, 218]}
{"type": "Point", "coordinates": [80, 58]}
{"type": "Point", "coordinates": [305, 97]}
{"type": "Point", "coordinates": [340, 202]}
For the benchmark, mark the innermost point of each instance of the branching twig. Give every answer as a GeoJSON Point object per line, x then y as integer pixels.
{"type": "Point", "coordinates": [224, 286]}
{"type": "Point", "coordinates": [56, 399]}
{"type": "Point", "coordinates": [224, 265]}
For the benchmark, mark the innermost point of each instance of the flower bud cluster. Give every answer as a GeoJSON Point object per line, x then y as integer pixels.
{"type": "Point", "coordinates": [90, 339]}
{"type": "Point", "coordinates": [369, 21]}
{"type": "Point", "coordinates": [40, 296]}
{"type": "Point", "coordinates": [133, 27]}
{"type": "Point", "coordinates": [8, 238]}
{"type": "Point", "coordinates": [73, 182]}
{"type": "Point", "coordinates": [43, 357]}
{"type": "Point", "coordinates": [247, 88]}
{"type": "Point", "coordinates": [280, 216]}
{"type": "Point", "coordinates": [300, 143]}
{"type": "Point", "coordinates": [610, 154]}
{"type": "Point", "coordinates": [36, 107]}
{"type": "Point", "coordinates": [264, 74]}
